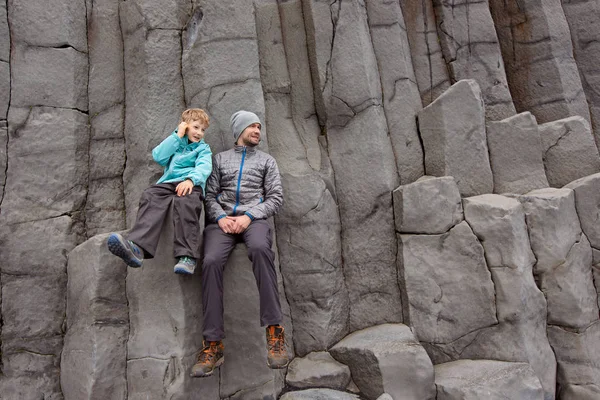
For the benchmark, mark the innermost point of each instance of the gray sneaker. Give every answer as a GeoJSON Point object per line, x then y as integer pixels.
{"type": "Point", "coordinates": [126, 250]}
{"type": "Point", "coordinates": [185, 266]}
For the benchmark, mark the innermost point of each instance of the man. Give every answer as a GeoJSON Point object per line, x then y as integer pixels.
{"type": "Point", "coordinates": [243, 190]}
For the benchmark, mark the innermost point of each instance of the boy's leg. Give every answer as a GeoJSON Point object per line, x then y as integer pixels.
{"type": "Point", "coordinates": [154, 205]}
{"type": "Point", "coordinates": [186, 223]}
{"type": "Point", "coordinates": [258, 239]}
{"type": "Point", "coordinates": [217, 247]}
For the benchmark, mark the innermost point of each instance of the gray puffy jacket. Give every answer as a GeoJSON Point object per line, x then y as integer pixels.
{"type": "Point", "coordinates": [244, 180]}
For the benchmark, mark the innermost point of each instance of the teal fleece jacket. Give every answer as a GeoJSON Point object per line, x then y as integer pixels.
{"type": "Point", "coordinates": [183, 160]}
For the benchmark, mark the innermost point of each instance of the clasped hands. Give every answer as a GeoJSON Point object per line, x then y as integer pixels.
{"type": "Point", "coordinates": [234, 225]}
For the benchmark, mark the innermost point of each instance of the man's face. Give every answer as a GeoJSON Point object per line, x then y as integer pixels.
{"type": "Point", "coordinates": [250, 136]}
{"type": "Point", "coordinates": [195, 131]}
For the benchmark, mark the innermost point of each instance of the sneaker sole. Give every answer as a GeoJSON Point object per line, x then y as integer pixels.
{"type": "Point", "coordinates": [183, 271]}
{"type": "Point", "coordinates": [119, 248]}
{"type": "Point", "coordinates": [273, 366]}
{"type": "Point", "coordinates": [204, 375]}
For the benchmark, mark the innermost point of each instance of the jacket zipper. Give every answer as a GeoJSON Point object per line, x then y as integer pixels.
{"type": "Point", "coordinates": [237, 192]}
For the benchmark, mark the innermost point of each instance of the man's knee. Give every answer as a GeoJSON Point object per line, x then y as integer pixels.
{"type": "Point", "coordinates": [260, 249]}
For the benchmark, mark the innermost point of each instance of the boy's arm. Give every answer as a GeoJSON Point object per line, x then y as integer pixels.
{"type": "Point", "coordinates": [214, 211]}
{"type": "Point", "coordinates": [163, 152]}
{"type": "Point", "coordinates": [203, 167]}
{"type": "Point", "coordinates": [273, 194]}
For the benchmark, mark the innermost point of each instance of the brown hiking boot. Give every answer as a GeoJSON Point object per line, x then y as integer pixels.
{"type": "Point", "coordinates": [210, 358]}
{"type": "Point", "coordinates": [276, 351]}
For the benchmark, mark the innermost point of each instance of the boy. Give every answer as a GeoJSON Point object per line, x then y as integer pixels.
{"type": "Point", "coordinates": [187, 160]}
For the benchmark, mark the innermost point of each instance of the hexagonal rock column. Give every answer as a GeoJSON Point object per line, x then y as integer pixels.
{"type": "Point", "coordinates": [429, 66]}
{"type": "Point", "coordinates": [499, 223]}
{"type": "Point", "coordinates": [321, 394]}
{"type": "Point", "coordinates": [94, 357]}
{"type": "Point", "coordinates": [448, 286]}
{"type": "Point", "coordinates": [308, 224]}
{"type": "Point", "coordinates": [387, 359]}
{"type": "Point", "coordinates": [486, 379]}
{"type": "Point", "coordinates": [582, 17]}
{"type": "Point", "coordinates": [364, 164]}
{"type": "Point", "coordinates": [401, 99]}
{"type": "Point", "coordinates": [453, 133]}
{"type": "Point", "coordinates": [536, 45]}
{"type": "Point", "coordinates": [472, 51]}
{"type": "Point", "coordinates": [317, 370]}
{"type": "Point", "coordinates": [568, 150]}
{"type": "Point", "coordinates": [516, 154]}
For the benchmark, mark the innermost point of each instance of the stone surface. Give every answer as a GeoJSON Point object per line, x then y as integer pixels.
{"type": "Point", "coordinates": [317, 370]}
{"type": "Point", "coordinates": [453, 133]}
{"type": "Point", "coordinates": [587, 204]}
{"type": "Point", "coordinates": [516, 154]}
{"type": "Point", "coordinates": [581, 17]}
{"type": "Point", "coordinates": [319, 394]}
{"type": "Point", "coordinates": [387, 359]}
{"type": "Point", "coordinates": [3, 154]}
{"type": "Point", "coordinates": [472, 51]}
{"type": "Point", "coordinates": [401, 99]}
{"type": "Point", "coordinates": [540, 68]}
{"type": "Point", "coordinates": [44, 76]}
{"type": "Point", "coordinates": [449, 288]}
{"type": "Point", "coordinates": [430, 68]}
{"type": "Point", "coordinates": [364, 165]}
{"type": "Point", "coordinates": [94, 356]}
{"type": "Point", "coordinates": [4, 34]}
{"type": "Point", "coordinates": [430, 205]}
{"type": "Point", "coordinates": [105, 206]}
{"type": "Point", "coordinates": [4, 88]}
{"type": "Point", "coordinates": [471, 380]}
{"type": "Point", "coordinates": [568, 150]}
{"type": "Point", "coordinates": [310, 218]}
{"type": "Point", "coordinates": [48, 183]}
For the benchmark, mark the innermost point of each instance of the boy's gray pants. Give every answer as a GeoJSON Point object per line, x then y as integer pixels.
{"type": "Point", "coordinates": [217, 247]}
{"type": "Point", "coordinates": [155, 203]}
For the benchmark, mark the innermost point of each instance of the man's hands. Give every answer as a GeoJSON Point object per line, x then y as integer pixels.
{"type": "Point", "coordinates": [234, 224]}
{"type": "Point", "coordinates": [184, 188]}
{"type": "Point", "coordinates": [182, 129]}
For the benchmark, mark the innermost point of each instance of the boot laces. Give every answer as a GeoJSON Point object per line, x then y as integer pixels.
{"type": "Point", "coordinates": [208, 353]}
{"type": "Point", "coordinates": [276, 342]}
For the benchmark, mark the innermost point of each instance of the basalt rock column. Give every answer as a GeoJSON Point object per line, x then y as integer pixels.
{"type": "Point", "coordinates": [45, 187]}
{"type": "Point", "coordinates": [340, 52]}
{"type": "Point", "coordinates": [401, 100]}
{"type": "Point", "coordinates": [4, 91]}
{"type": "Point", "coordinates": [308, 225]}
{"type": "Point", "coordinates": [429, 65]}
{"type": "Point", "coordinates": [105, 209]}
{"type": "Point", "coordinates": [472, 51]}
{"type": "Point", "coordinates": [538, 57]}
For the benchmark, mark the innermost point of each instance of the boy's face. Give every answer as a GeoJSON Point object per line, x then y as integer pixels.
{"type": "Point", "coordinates": [195, 131]}
{"type": "Point", "coordinates": [250, 136]}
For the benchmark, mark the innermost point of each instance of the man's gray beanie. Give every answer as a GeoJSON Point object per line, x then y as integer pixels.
{"type": "Point", "coordinates": [240, 121]}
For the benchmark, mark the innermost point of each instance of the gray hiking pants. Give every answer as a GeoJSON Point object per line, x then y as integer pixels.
{"type": "Point", "coordinates": [155, 204]}
{"type": "Point", "coordinates": [217, 247]}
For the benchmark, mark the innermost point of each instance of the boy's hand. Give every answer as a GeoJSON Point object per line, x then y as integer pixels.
{"type": "Point", "coordinates": [182, 129]}
{"type": "Point", "coordinates": [184, 188]}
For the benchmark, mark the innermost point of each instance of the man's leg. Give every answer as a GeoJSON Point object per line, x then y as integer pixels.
{"type": "Point", "coordinates": [154, 205]}
{"type": "Point", "coordinates": [186, 223]}
{"type": "Point", "coordinates": [217, 247]}
{"type": "Point", "coordinates": [258, 239]}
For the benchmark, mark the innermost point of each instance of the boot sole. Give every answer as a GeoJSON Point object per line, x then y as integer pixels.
{"type": "Point", "coordinates": [117, 246]}
{"type": "Point", "coordinates": [275, 366]}
{"type": "Point", "coordinates": [201, 374]}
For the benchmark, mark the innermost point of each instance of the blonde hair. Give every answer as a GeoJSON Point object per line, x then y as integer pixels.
{"type": "Point", "coordinates": [195, 114]}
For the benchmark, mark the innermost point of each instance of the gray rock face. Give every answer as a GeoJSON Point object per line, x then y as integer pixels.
{"type": "Point", "coordinates": [319, 394]}
{"type": "Point", "coordinates": [97, 318]}
{"type": "Point", "coordinates": [472, 51]}
{"type": "Point", "coordinates": [471, 380]}
{"type": "Point", "coordinates": [401, 99]}
{"type": "Point", "coordinates": [364, 179]}
{"type": "Point", "coordinates": [540, 68]}
{"type": "Point", "coordinates": [316, 370]}
{"type": "Point", "coordinates": [587, 204]}
{"type": "Point", "coordinates": [516, 154]}
{"type": "Point", "coordinates": [453, 133]}
{"type": "Point", "coordinates": [430, 69]}
{"type": "Point", "coordinates": [3, 159]}
{"type": "Point", "coordinates": [448, 286]}
{"type": "Point", "coordinates": [387, 359]}
{"type": "Point", "coordinates": [568, 150]}
{"type": "Point", "coordinates": [581, 17]}
{"type": "Point", "coordinates": [430, 205]}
